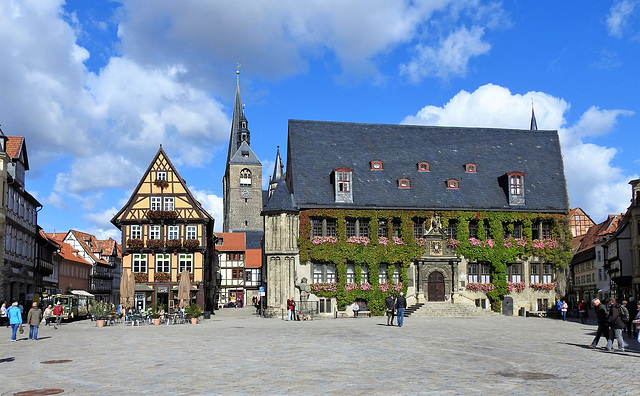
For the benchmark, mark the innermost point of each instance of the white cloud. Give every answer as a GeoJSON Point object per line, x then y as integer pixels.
{"type": "Point", "coordinates": [449, 59]}
{"type": "Point", "coordinates": [619, 16]}
{"type": "Point", "coordinates": [211, 203]}
{"type": "Point", "coordinates": [594, 184]}
{"type": "Point", "coordinates": [103, 229]}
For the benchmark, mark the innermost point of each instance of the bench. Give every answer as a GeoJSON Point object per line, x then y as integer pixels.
{"type": "Point", "coordinates": [349, 314]}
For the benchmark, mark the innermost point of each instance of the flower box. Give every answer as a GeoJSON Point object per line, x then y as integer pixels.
{"type": "Point", "coordinates": [162, 214]}
{"type": "Point", "coordinates": [163, 277]}
{"type": "Point", "coordinates": [155, 243]}
{"type": "Point", "coordinates": [191, 243]}
{"type": "Point", "coordinates": [174, 243]}
{"type": "Point", "coordinates": [135, 243]}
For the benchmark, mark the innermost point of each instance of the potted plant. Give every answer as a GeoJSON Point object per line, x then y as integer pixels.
{"type": "Point", "coordinates": [101, 311]}
{"type": "Point", "coordinates": [194, 311]}
{"type": "Point", "coordinates": [156, 313]}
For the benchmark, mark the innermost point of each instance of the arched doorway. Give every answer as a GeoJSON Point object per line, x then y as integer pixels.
{"type": "Point", "coordinates": [436, 286]}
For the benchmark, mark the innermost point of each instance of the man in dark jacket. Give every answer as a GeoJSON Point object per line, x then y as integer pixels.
{"type": "Point", "coordinates": [602, 314]}
{"type": "Point", "coordinates": [615, 325]}
{"type": "Point", "coordinates": [390, 307]}
{"type": "Point", "coordinates": [632, 307]}
{"type": "Point", "coordinates": [401, 305]}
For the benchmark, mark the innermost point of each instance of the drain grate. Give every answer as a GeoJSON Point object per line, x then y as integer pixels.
{"type": "Point", "coordinates": [56, 361]}
{"type": "Point", "coordinates": [40, 392]}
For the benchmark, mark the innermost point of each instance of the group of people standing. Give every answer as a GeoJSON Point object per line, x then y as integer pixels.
{"type": "Point", "coordinates": [613, 318]}
{"type": "Point", "coordinates": [395, 307]}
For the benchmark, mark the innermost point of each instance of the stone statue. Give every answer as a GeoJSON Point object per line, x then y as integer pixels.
{"type": "Point", "coordinates": [436, 225]}
{"type": "Point", "coordinates": [305, 289]}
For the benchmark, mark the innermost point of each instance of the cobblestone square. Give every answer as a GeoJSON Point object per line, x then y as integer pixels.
{"type": "Point", "coordinates": [235, 352]}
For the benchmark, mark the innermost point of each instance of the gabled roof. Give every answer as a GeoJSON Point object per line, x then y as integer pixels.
{"type": "Point", "coordinates": [281, 200]}
{"type": "Point", "coordinates": [231, 241]}
{"type": "Point", "coordinates": [244, 155]}
{"type": "Point", "coordinates": [89, 244]}
{"type": "Point", "coordinates": [66, 252]}
{"type": "Point", "coordinates": [595, 234]}
{"type": "Point", "coordinates": [116, 220]}
{"type": "Point", "coordinates": [16, 148]}
{"type": "Point", "coordinates": [316, 148]}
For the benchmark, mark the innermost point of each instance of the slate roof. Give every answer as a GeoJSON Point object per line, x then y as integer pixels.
{"type": "Point", "coordinates": [254, 239]}
{"type": "Point", "coordinates": [281, 200]}
{"type": "Point", "coordinates": [316, 148]}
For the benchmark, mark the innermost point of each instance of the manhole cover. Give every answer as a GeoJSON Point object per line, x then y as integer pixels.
{"type": "Point", "coordinates": [56, 361]}
{"type": "Point", "coordinates": [40, 392]}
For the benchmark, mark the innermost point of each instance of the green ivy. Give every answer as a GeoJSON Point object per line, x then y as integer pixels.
{"type": "Point", "coordinates": [374, 254]}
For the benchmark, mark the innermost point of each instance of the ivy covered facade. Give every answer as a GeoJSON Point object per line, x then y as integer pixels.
{"type": "Point", "coordinates": [452, 215]}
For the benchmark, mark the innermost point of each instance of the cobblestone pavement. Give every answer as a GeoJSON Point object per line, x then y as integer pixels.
{"type": "Point", "coordinates": [237, 353]}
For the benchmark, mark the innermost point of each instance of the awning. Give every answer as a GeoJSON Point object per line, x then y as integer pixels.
{"type": "Point", "coordinates": [81, 293]}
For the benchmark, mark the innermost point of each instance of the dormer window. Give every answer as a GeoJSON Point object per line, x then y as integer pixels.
{"type": "Point", "coordinates": [245, 154]}
{"type": "Point", "coordinates": [376, 165]}
{"type": "Point", "coordinates": [452, 184]}
{"type": "Point", "coordinates": [423, 166]}
{"type": "Point", "coordinates": [515, 188]}
{"type": "Point", "coordinates": [342, 178]}
{"type": "Point", "coordinates": [404, 183]}
{"type": "Point", "coordinates": [470, 168]}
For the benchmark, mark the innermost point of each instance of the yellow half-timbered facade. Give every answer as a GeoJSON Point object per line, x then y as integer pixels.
{"type": "Point", "coordinates": [165, 230]}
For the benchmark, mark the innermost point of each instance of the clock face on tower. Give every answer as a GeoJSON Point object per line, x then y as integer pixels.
{"type": "Point", "coordinates": [245, 192]}
{"type": "Point", "coordinates": [435, 248]}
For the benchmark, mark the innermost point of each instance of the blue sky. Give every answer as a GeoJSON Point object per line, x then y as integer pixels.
{"type": "Point", "coordinates": [97, 86]}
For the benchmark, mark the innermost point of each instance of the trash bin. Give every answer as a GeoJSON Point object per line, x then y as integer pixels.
{"type": "Point", "coordinates": [206, 315]}
{"type": "Point", "coordinates": [522, 311]}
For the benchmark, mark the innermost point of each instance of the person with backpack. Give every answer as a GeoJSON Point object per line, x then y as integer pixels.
{"type": "Point", "coordinates": [616, 324]}
{"type": "Point", "coordinates": [57, 312]}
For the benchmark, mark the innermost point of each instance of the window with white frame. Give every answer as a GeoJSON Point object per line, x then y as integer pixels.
{"type": "Point", "coordinates": [174, 232]}
{"type": "Point", "coordinates": [364, 274]}
{"type": "Point", "coordinates": [192, 232]}
{"type": "Point", "coordinates": [156, 203]}
{"type": "Point", "coordinates": [382, 273]}
{"type": "Point", "coordinates": [161, 175]}
{"type": "Point", "coordinates": [154, 232]}
{"type": "Point", "coordinates": [472, 273]}
{"type": "Point", "coordinates": [344, 181]}
{"type": "Point", "coordinates": [324, 273]}
{"type": "Point", "coordinates": [351, 273]}
{"type": "Point", "coordinates": [168, 203]}
{"type": "Point", "coordinates": [547, 273]}
{"type": "Point", "coordinates": [139, 263]}
{"type": "Point", "coordinates": [185, 262]}
{"type": "Point", "coordinates": [396, 274]}
{"type": "Point", "coordinates": [514, 272]}
{"type": "Point", "coordinates": [245, 177]}
{"type": "Point", "coordinates": [163, 263]}
{"type": "Point", "coordinates": [534, 269]}
{"type": "Point", "coordinates": [485, 273]}
{"type": "Point", "coordinates": [136, 232]}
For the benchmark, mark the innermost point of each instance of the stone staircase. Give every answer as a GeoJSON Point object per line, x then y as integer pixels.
{"type": "Point", "coordinates": [446, 309]}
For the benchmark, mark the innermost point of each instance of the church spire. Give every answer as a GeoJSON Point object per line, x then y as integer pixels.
{"type": "Point", "coordinates": [239, 125]}
{"type": "Point", "coordinates": [534, 124]}
{"type": "Point", "coordinates": [278, 174]}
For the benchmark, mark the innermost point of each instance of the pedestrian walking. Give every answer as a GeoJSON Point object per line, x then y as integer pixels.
{"type": "Point", "coordinates": [583, 311]}
{"type": "Point", "coordinates": [15, 319]}
{"type": "Point", "coordinates": [48, 313]}
{"type": "Point", "coordinates": [3, 314]}
{"type": "Point", "coordinates": [57, 313]}
{"type": "Point", "coordinates": [615, 325]}
{"type": "Point", "coordinates": [34, 317]}
{"type": "Point", "coordinates": [401, 305]}
{"type": "Point", "coordinates": [632, 307]}
{"type": "Point", "coordinates": [602, 315]}
{"type": "Point", "coordinates": [290, 309]}
{"type": "Point", "coordinates": [390, 308]}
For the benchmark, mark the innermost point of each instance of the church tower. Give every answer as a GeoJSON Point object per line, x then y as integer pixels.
{"type": "Point", "coordinates": [242, 181]}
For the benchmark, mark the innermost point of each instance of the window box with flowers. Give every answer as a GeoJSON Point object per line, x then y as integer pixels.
{"type": "Point", "coordinates": [174, 243]}
{"type": "Point", "coordinates": [516, 286]}
{"type": "Point", "coordinates": [162, 214]}
{"type": "Point", "coordinates": [543, 286]}
{"type": "Point", "coordinates": [135, 243]}
{"type": "Point", "coordinates": [141, 277]}
{"type": "Point", "coordinates": [155, 243]}
{"type": "Point", "coordinates": [480, 287]}
{"type": "Point", "coordinates": [163, 277]}
{"type": "Point", "coordinates": [162, 184]}
{"type": "Point", "coordinates": [191, 243]}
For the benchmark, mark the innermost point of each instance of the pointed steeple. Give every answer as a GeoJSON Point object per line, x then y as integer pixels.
{"type": "Point", "coordinates": [239, 125]}
{"type": "Point", "coordinates": [534, 124]}
{"type": "Point", "coordinates": [277, 168]}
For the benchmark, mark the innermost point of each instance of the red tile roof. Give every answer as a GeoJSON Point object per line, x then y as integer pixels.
{"type": "Point", "coordinates": [66, 251]}
{"type": "Point", "coordinates": [14, 144]}
{"type": "Point", "coordinates": [231, 241]}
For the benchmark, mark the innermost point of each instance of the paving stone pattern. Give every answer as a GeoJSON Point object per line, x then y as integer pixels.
{"type": "Point", "coordinates": [236, 353]}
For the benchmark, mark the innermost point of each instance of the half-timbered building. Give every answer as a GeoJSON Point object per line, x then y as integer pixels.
{"type": "Point", "coordinates": [165, 230]}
